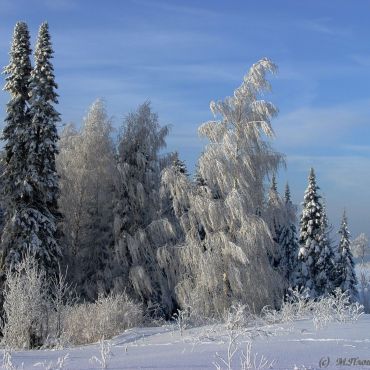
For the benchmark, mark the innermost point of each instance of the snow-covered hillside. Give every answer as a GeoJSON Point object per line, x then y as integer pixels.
{"type": "Point", "coordinates": [297, 344]}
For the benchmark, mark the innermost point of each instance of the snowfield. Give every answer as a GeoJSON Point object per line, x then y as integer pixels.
{"type": "Point", "coordinates": [296, 345]}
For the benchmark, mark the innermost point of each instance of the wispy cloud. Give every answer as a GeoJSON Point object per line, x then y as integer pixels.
{"type": "Point", "coordinates": [198, 11]}
{"type": "Point", "coordinates": [340, 171]}
{"type": "Point", "coordinates": [325, 26]}
{"type": "Point", "coordinates": [361, 60]}
{"type": "Point", "coordinates": [312, 127]}
{"type": "Point", "coordinates": [364, 149]}
{"type": "Point", "coordinates": [199, 71]}
{"type": "Point", "coordinates": [61, 5]}
{"type": "Point", "coordinates": [130, 46]}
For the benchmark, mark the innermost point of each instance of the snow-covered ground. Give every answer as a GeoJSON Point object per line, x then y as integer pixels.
{"type": "Point", "coordinates": [297, 344]}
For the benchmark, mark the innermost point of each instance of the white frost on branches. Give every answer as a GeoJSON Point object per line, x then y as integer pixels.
{"type": "Point", "coordinates": [224, 254]}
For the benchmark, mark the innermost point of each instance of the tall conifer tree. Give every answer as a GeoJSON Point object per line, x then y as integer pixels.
{"type": "Point", "coordinates": [15, 189]}
{"type": "Point", "coordinates": [43, 134]}
{"type": "Point", "coordinates": [33, 214]}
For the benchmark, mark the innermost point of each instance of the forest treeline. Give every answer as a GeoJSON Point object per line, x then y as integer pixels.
{"type": "Point", "coordinates": [118, 216]}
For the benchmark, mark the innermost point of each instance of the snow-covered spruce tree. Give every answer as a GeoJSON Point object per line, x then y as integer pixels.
{"type": "Point", "coordinates": [179, 164]}
{"type": "Point", "coordinates": [138, 230]}
{"type": "Point", "coordinates": [315, 253]}
{"type": "Point", "coordinates": [17, 120]}
{"type": "Point", "coordinates": [30, 187]}
{"type": "Point", "coordinates": [224, 256]}
{"type": "Point", "coordinates": [86, 164]}
{"type": "Point", "coordinates": [43, 133]}
{"type": "Point", "coordinates": [345, 270]}
{"type": "Point", "coordinates": [288, 241]}
{"type": "Point", "coordinates": [41, 147]}
{"type": "Point", "coordinates": [275, 217]}
{"type": "Point", "coordinates": [2, 199]}
{"type": "Point", "coordinates": [327, 242]}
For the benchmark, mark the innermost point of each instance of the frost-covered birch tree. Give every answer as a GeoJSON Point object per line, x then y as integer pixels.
{"type": "Point", "coordinates": [87, 166]}
{"type": "Point", "coordinates": [138, 230]}
{"type": "Point", "coordinates": [345, 267]}
{"type": "Point", "coordinates": [315, 253]}
{"type": "Point", "coordinates": [224, 255]}
{"type": "Point", "coordinates": [31, 182]}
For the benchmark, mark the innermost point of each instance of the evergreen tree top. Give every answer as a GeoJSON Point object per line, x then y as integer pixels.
{"type": "Point", "coordinates": [312, 214]}
{"type": "Point", "coordinates": [42, 76]}
{"type": "Point", "coordinates": [287, 196]}
{"type": "Point", "coordinates": [344, 233]}
{"type": "Point", "coordinates": [273, 193]}
{"type": "Point", "coordinates": [179, 165]}
{"type": "Point", "coordinates": [19, 67]}
{"type": "Point", "coordinates": [311, 193]}
{"type": "Point", "coordinates": [273, 186]}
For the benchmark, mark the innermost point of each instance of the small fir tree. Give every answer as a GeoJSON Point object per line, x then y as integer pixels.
{"type": "Point", "coordinates": [327, 245]}
{"type": "Point", "coordinates": [275, 217]}
{"type": "Point", "coordinates": [346, 276]}
{"type": "Point", "coordinates": [288, 241]}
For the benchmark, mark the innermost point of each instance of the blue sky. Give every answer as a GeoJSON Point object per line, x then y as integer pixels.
{"type": "Point", "coordinates": [182, 54]}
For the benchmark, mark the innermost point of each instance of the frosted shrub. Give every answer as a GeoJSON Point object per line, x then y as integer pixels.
{"type": "Point", "coordinates": [182, 320]}
{"type": "Point", "coordinates": [105, 354]}
{"type": "Point", "coordinates": [335, 307]}
{"type": "Point", "coordinates": [322, 313]}
{"type": "Point", "coordinates": [237, 317]}
{"type": "Point", "coordinates": [296, 306]}
{"type": "Point", "coordinates": [248, 359]}
{"type": "Point", "coordinates": [251, 361]}
{"type": "Point", "coordinates": [343, 309]}
{"type": "Point", "coordinates": [60, 364]}
{"type": "Point", "coordinates": [108, 316]}
{"type": "Point", "coordinates": [25, 313]}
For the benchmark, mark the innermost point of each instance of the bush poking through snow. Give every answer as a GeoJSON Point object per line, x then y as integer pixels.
{"type": "Point", "coordinates": [63, 296]}
{"type": "Point", "coordinates": [108, 316]}
{"type": "Point", "coordinates": [60, 364]}
{"type": "Point", "coordinates": [182, 320]}
{"type": "Point", "coordinates": [8, 361]}
{"type": "Point", "coordinates": [240, 323]}
{"type": "Point", "coordinates": [248, 359]}
{"type": "Point", "coordinates": [251, 361]}
{"type": "Point", "coordinates": [105, 354]}
{"type": "Point", "coordinates": [25, 306]}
